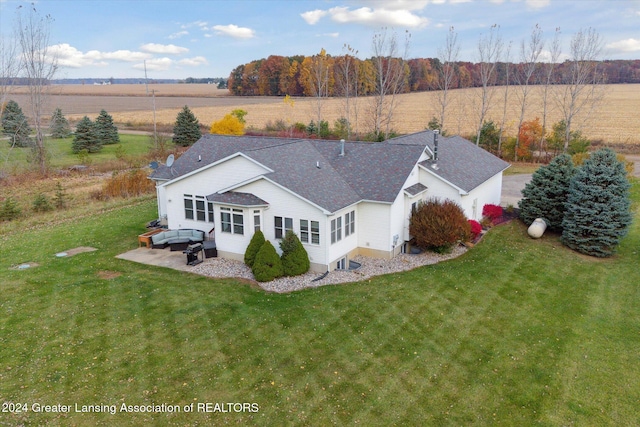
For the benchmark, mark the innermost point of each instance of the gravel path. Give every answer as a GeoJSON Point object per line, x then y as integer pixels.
{"type": "Point", "coordinates": [219, 267]}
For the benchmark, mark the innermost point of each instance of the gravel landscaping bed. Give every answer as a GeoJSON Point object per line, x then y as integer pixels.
{"type": "Point", "coordinates": [219, 267]}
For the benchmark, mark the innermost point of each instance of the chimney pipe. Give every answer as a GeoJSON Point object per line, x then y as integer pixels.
{"type": "Point", "coordinates": [342, 147]}
{"type": "Point", "coordinates": [435, 144]}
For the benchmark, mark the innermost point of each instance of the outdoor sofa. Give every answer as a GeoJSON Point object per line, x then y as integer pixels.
{"type": "Point", "coordinates": [178, 240]}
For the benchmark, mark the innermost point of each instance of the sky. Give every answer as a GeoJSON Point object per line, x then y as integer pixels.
{"type": "Point", "coordinates": [209, 38]}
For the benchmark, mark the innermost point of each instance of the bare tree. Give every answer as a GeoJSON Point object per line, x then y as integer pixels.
{"type": "Point", "coordinates": [316, 70]}
{"type": "Point", "coordinates": [505, 103]}
{"type": "Point", "coordinates": [548, 76]}
{"type": "Point", "coordinates": [489, 53]}
{"type": "Point", "coordinates": [448, 56]}
{"type": "Point", "coordinates": [347, 85]}
{"type": "Point", "coordinates": [529, 54]}
{"type": "Point", "coordinates": [391, 73]}
{"type": "Point", "coordinates": [581, 78]}
{"type": "Point", "coordinates": [39, 66]}
{"type": "Point", "coordinates": [9, 68]}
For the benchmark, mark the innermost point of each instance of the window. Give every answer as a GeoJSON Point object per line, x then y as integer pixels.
{"type": "Point", "coordinates": [225, 220]}
{"type": "Point", "coordinates": [256, 220]}
{"type": "Point", "coordinates": [201, 215]}
{"type": "Point", "coordinates": [282, 225]}
{"type": "Point", "coordinates": [188, 206]}
{"type": "Point", "coordinates": [210, 211]}
{"type": "Point", "coordinates": [341, 264]}
{"type": "Point", "coordinates": [232, 220]}
{"type": "Point", "coordinates": [309, 235]}
{"type": "Point", "coordinates": [349, 223]}
{"type": "Point", "coordinates": [336, 229]}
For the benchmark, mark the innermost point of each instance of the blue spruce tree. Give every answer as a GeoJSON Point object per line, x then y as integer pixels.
{"type": "Point", "coordinates": [598, 212]}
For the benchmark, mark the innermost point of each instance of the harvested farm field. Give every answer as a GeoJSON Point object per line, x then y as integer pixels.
{"type": "Point", "coordinates": [613, 120]}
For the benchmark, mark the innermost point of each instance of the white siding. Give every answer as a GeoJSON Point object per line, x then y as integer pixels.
{"type": "Point", "coordinates": [286, 205]}
{"type": "Point", "coordinates": [486, 193]}
{"type": "Point", "coordinates": [342, 247]}
{"type": "Point", "coordinates": [208, 181]}
{"type": "Point", "coordinates": [373, 222]}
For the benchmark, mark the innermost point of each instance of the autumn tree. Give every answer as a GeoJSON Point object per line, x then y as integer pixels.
{"type": "Point", "coordinates": [529, 54]}
{"type": "Point", "coordinates": [346, 71]}
{"type": "Point", "coordinates": [528, 137]}
{"type": "Point", "coordinates": [316, 72]}
{"type": "Point", "coordinates": [228, 125]}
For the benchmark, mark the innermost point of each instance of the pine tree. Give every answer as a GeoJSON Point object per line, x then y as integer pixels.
{"type": "Point", "coordinates": [295, 260]}
{"type": "Point", "coordinates": [15, 125]}
{"type": "Point", "coordinates": [187, 129]}
{"type": "Point", "coordinates": [85, 138]}
{"type": "Point", "coordinates": [59, 127]}
{"type": "Point", "coordinates": [598, 207]}
{"type": "Point", "coordinates": [105, 130]}
{"type": "Point", "coordinates": [546, 194]}
{"type": "Point", "coordinates": [267, 265]}
{"type": "Point", "coordinates": [254, 246]}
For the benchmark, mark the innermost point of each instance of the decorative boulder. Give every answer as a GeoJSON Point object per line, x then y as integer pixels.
{"type": "Point", "coordinates": [537, 228]}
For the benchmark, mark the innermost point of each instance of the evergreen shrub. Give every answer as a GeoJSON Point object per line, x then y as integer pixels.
{"type": "Point", "coordinates": [254, 246]}
{"type": "Point", "coordinates": [267, 265]}
{"type": "Point", "coordinates": [295, 260]}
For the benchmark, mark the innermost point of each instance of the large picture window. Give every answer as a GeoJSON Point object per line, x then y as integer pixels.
{"type": "Point", "coordinates": [232, 220]}
{"type": "Point", "coordinates": [282, 225]}
{"type": "Point", "coordinates": [309, 231]}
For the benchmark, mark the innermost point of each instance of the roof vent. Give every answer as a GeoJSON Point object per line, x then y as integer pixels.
{"type": "Point", "coordinates": [318, 165]}
{"type": "Point", "coordinates": [435, 145]}
{"type": "Point", "coordinates": [342, 147]}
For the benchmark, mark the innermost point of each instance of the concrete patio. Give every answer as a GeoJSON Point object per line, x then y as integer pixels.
{"type": "Point", "coordinates": [158, 257]}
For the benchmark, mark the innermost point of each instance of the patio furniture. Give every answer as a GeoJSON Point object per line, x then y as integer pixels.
{"type": "Point", "coordinates": [146, 237]}
{"type": "Point", "coordinates": [210, 250]}
{"type": "Point", "coordinates": [177, 239]}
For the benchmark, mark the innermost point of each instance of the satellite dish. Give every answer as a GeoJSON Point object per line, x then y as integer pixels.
{"type": "Point", "coordinates": [170, 160]}
{"type": "Point", "coordinates": [153, 165]}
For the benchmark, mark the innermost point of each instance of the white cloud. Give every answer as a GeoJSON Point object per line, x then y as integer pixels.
{"type": "Point", "coordinates": [194, 62]}
{"type": "Point", "coordinates": [628, 45]}
{"type": "Point", "coordinates": [399, 4]}
{"type": "Point", "coordinates": [155, 64]}
{"type": "Point", "coordinates": [538, 4]}
{"type": "Point", "coordinates": [334, 35]}
{"type": "Point", "coordinates": [178, 34]}
{"type": "Point", "coordinates": [313, 16]}
{"type": "Point", "coordinates": [376, 17]}
{"type": "Point", "coordinates": [169, 49]}
{"type": "Point", "coordinates": [69, 56]}
{"type": "Point", "coordinates": [200, 24]}
{"type": "Point", "coordinates": [234, 31]}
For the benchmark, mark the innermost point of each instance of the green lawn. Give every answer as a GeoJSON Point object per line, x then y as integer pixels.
{"type": "Point", "coordinates": [61, 154]}
{"type": "Point", "coordinates": [515, 332]}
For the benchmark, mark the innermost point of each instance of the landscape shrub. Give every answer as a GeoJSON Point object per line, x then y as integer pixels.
{"type": "Point", "coordinates": [9, 210]}
{"type": "Point", "coordinates": [60, 198]}
{"type": "Point", "coordinates": [476, 228]}
{"type": "Point", "coordinates": [546, 194]}
{"type": "Point", "coordinates": [267, 265]}
{"type": "Point", "coordinates": [437, 225]}
{"type": "Point", "coordinates": [598, 212]}
{"type": "Point", "coordinates": [228, 125]}
{"type": "Point", "coordinates": [254, 246]}
{"type": "Point", "coordinates": [41, 204]}
{"type": "Point", "coordinates": [295, 260]}
{"type": "Point", "coordinates": [493, 212]}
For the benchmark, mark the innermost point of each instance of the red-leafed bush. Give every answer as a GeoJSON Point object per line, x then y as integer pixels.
{"type": "Point", "coordinates": [493, 212]}
{"type": "Point", "coordinates": [437, 225]}
{"type": "Point", "coordinates": [476, 228]}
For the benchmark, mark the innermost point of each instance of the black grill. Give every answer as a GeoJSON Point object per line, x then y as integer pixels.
{"type": "Point", "coordinates": [192, 252]}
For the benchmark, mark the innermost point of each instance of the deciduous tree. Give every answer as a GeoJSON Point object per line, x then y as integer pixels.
{"type": "Point", "coordinates": [448, 56]}
{"type": "Point", "coordinates": [228, 125]}
{"type": "Point", "coordinates": [489, 54]}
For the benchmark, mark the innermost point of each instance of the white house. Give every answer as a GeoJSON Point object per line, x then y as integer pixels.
{"type": "Point", "coordinates": [341, 198]}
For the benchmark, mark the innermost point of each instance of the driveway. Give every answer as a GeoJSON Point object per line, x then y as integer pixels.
{"type": "Point", "coordinates": [512, 186]}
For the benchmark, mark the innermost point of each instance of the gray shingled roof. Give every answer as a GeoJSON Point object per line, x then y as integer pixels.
{"type": "Point", "coordinates": [315, 170]}
{"type": "Point", "coordinates": [237, 198]}
{"type": "Point", "coordinates": [415, 189]}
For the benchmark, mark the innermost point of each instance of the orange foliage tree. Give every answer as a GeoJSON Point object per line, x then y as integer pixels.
{"type": "Point", "coordinates": [529, 135]}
